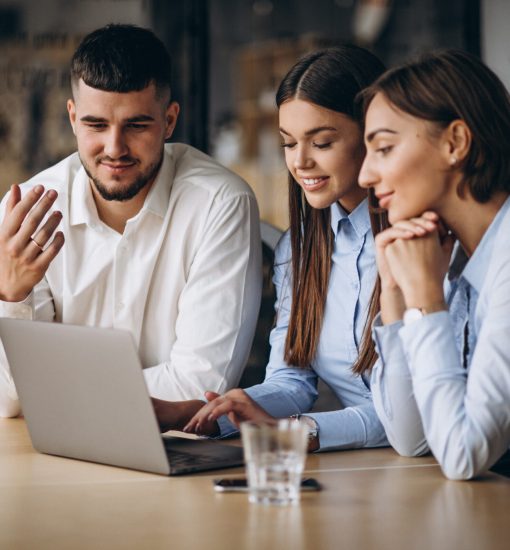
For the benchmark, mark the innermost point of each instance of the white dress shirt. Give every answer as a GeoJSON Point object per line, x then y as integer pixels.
{"type": "Point", "coordinates": [444, 381]}
{"type": "Point", "coordinates": [184, 278]}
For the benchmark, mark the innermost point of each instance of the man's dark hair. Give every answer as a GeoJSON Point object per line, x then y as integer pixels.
{"type": "Point", "coordinates": [122, 58]}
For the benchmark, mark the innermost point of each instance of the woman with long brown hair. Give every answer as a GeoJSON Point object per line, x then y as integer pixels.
{"type": "Point", "coordinates": [324, 267]}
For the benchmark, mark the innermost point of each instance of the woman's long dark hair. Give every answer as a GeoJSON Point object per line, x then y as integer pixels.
{"type": "Point", "coordinates": [330, 78]}
{"type": "Point", "coordinates": [367, 355]}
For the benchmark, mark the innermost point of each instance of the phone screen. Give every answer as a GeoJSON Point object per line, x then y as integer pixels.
{"type": "Point", "coordinates": [240, 484]}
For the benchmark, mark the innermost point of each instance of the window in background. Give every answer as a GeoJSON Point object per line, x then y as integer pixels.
{"type": "Point", "coordinates": [253, 43]}
{"type": "Point", "coordinates": [229, 56]}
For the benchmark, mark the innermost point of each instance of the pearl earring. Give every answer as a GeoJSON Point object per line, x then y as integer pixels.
{"type": "Point", "coordinates": [453, 161]}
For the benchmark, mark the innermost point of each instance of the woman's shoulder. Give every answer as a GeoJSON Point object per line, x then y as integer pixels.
{"type": "Point", "coordinates": [498, 271]}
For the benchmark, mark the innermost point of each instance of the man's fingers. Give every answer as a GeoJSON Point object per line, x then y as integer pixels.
{"type": "Point", "coordinates": [14, 198]}
{"type": "Point", "coordinates": [42, 237]}
{"type": "Point", "coordinates": [17, 215]}
{"type": "Point", "coordinates": [36, 216]}
{"type": "Point", "coordinates": [44, 259]}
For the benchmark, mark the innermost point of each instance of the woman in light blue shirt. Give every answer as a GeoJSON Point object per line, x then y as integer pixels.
{"type": "Point", "coordinates": [438, 158]}
{"type": "Point", "coordinates": [324, 268]}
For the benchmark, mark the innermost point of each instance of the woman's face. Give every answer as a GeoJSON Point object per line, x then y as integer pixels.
{"type": "Point", "coordinates": [324, 152]}
{"type": "Point", "coordinates": [407, 163]}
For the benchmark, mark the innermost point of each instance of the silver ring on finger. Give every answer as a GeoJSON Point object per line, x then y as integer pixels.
{"type": "Point", "coordinates": [37, 244]}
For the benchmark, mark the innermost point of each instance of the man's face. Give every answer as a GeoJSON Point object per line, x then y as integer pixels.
{"type": "Point", "coordinates": [121, 137]}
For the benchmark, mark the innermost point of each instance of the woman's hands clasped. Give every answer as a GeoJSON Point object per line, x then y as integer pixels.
{"type": "Point", "coordinates": [412, 258]}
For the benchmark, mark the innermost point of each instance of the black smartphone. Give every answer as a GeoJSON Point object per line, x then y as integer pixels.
{"type": "Point", "coordinates": [240, 484]}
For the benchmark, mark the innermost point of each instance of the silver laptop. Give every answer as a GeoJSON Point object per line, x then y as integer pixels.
{"type": "Point", "coordinates": [84, 396]}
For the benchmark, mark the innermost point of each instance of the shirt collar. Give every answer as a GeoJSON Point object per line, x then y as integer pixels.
{"type": "Point", "coordinates": [159, 195]}
{"type": "Point", "coordinates": [359, 218]}
{"type": "Point", "coordinates": [476, 267]}
{"type": "Point", "coordinates": [83, 208]}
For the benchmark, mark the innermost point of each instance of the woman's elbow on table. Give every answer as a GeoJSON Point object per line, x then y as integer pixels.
{"type": "Point", "coordinates": [460, 473]}
{"type": "Point", "coordinates": [463, 468]}
{"type": "Point", "coordinates": [409, 448]}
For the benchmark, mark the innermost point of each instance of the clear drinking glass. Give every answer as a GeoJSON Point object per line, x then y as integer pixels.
{"type": "Point", "coordinates": [275, 457]}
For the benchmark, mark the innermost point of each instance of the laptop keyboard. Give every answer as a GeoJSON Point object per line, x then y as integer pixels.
{"type": "Point", "coordinates": [182, 458]}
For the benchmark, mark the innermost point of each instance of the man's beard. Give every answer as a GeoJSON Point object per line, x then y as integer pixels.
{"type": "Point", "coordinates": [126, 193]}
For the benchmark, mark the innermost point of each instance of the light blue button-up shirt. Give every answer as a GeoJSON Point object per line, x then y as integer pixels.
{"type": "Point", "coordinates": [287, 390]}
{"type": "Point", "coordinates": [444, 381]}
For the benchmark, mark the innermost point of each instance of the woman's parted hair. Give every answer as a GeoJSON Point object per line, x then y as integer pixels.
{"type": "Point", "coordinates": [448, 85]}
{"type": "Point", "coordinates": [330, 78]}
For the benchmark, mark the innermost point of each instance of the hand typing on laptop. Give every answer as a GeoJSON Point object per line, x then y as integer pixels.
{"type": "Point", "coordinates": [202, 418]}
{"type": "Point", "coordinates": [174, 415]}
{"type": "Point", "coordinates": [236, 404]}
{"type": "Point", "coordinates": [23, 258]}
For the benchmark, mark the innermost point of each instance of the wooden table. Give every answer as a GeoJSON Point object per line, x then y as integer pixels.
{"type": "Point", "coordinates": [372, 499]}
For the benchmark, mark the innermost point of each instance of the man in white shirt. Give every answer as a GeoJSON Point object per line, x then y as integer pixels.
{"type": "Point", "coordinates": [159, 239]}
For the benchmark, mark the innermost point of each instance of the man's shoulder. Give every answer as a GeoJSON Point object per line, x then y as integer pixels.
{"type": "Point", "coordinates": [57, 176]}
{"type": "Point", "coordinates": [283, 250]}
{"type": "Point", "coordinates": [195, 169]}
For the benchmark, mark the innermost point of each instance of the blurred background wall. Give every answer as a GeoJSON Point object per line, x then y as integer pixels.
{"type": "Point", "coordinates": [229, 56]}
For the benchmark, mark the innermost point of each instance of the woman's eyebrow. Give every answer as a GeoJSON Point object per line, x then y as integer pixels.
{"type": "Point", "coordinates": [313, 130]}
{"type": "Point", "coordinates": [372, 135]}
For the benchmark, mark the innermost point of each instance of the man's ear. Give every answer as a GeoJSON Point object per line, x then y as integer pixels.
{"type": "Point", "coordinates": [171, 115]}
{"type": "Point", "coordinates": [71, 109]}
{"type": "Point", "coordinates": [458, 140]}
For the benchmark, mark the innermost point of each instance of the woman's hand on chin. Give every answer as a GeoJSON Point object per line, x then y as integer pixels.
{"type": "Point", "coordinates": [418, 259]}
{"type": "Point", "coordinates": [412, 258]}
